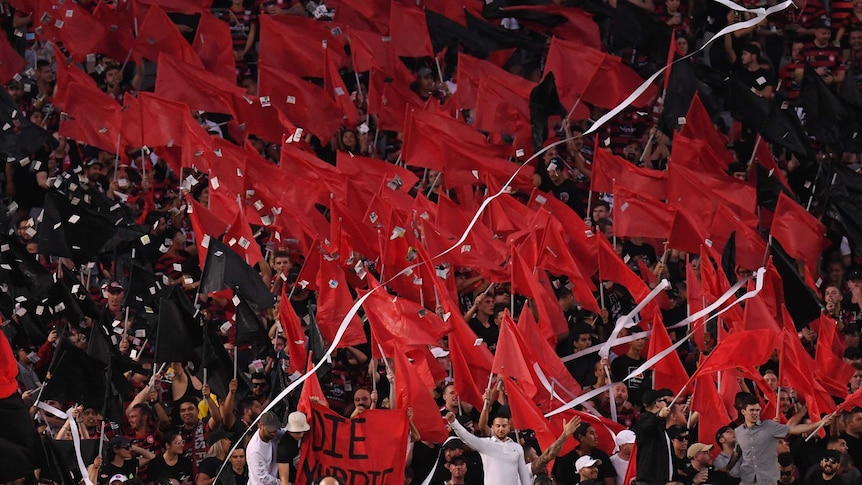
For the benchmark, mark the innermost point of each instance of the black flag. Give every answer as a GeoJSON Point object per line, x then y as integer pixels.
{"type": "Point", "coordinates": [225, 270]}
{"type": "Point", "coordinates": [544, 102]}
{"type": "Point", "coordinates": [801, 301]}
{"type": "Point", "coordinates": [69, 230]}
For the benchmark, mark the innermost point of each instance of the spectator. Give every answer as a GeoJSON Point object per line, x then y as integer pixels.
{"type": "Point", "coordinates": [502, 458]}
{"type": "Point", "coordinates": [654, 453]}
{"type": "Point", "coordinates": [171, 464]}
{"type": "Point", "coordinates": [261, 451]}
{"type": "Point", "coordinates": [587, 469]}
{"type": "Point", "coordinates": [123, 459]}
{"type": "Point", "coordinates": [625, 440]}
{"type": "Point", "coordinates": [290, 444]}
{"type": "Point", "coordinates": [237, 472]}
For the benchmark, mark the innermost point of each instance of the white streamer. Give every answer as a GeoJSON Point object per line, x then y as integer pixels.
{"type": "Point", "coordinates": [76, 436]}
{"type": "Point", "coordinates": [656, 358]}
{"type": "Point", "coordinates": [625, 320]}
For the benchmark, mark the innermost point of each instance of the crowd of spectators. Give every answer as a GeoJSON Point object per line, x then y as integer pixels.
{"type": "Point", "coordinates": [174, 428]}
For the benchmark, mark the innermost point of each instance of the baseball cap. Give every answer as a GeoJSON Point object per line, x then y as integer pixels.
{"type": "Point", "coordinates": [625, 437]}
{"type": "Point", "coordinates": [677, 432]}
{"type": "Point", "coordinates": [586, 461]}
{"type": "Point", "coordinates": [217, 435]}
{"type": "Point", "coordinates": [270, 422]}
{"type": "Point", "coordinates": [696, 448]}
{"type": "Point", "coordinates": [721, 431]}
{"type": "Point", "coordinates": [115, 287]}
{"type": "Point", "coordinates": [119, 442]}
{"type": "Point", "coordinates": [854, 273]}
{"type": "Point", "coordinates": [439, 352]}
{"type": "Point", "coordinates": [653, 395]}
{"type": "Point", "coordinates": [119, 477]}
{"type": "Point", "coordinates": [823, 23]}
{"type": "Point", "coordinates": [453, 443]}
{"type": "Point", "coordinates": [424, 71]}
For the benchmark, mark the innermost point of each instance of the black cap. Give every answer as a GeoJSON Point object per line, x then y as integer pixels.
{"type": "Point", "coordinates": [834, 454]}
{"type": "Point", "coordinates": [721, 431]}
{"type": "Point", "coordinates": [119, 442]}
{"type": "Point", "coordinates": [854, 273]}
{"type": "Point", "coordinates": [453, 444]}
{"type": "Point", "coordinates": [217, 435]}
{"type": "Point", "coordinates": [652, 395]}
{"type": "Point", "coordinates": [823, 23]}
{"type": "Point", "coordinates": [752, 49]}
{"type": "Point", "coordinates": [677, 431]}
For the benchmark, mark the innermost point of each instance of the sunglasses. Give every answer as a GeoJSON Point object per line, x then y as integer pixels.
{"type": "Point", "coordinates": [830, 460]}
{"type": "Point", "coordinates": [258, 384]}
{"type": "Point", "coordinates": [786, 474]}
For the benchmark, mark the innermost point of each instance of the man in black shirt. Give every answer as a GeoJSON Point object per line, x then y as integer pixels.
{"type": "Point", "coordinates": [760, 78]}
{"type": "Point", "coordinates": [828, 470]}
{"type": "Point", "coordinates": [653, 445]}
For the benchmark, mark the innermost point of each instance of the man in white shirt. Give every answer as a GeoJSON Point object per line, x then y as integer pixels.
{"type": "Point", "coordinates": [261, 451]}
{"type": "Point", "coordinates": [625, 441]}
{"type": "Point", "coordinates": [502, 458]}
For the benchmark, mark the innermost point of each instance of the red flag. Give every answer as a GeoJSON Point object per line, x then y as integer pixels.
{"type": "Point", "coordinates": [214, 46]}
{"type": "Point", "coordinates": [668, 372]}
{"type": "Point", "coordinates": [706, 401]}
{"type": "Point", "coordinates": [698, 125]}
{"type": "Point", "coordinates": [546, 356]}
{"type": "Point", "coordinates": [557, 258]}
{"type": "Point", "coordinates": [750, 246]}
{"type": "Point", "coordinates": [401, 322]}
{"type": "Point", "coordinates": [409, 31]}
{"type": "Point", "coordinates": [119, 22]}
{"type": "Point", "coordinates": [699, 155]}
{"type": "Point", "coordinates": [640, 216]}
{"type": "Point", "coordinates": [361, 169]}
{"type": "Point", "coordinates": [610, 170]}
{"type": "Point", "coordinates": [801, 234]}
{"type": "Point", "coordinates": [687, 233]}
{"type": "Point", "coordinates": [389, 100]}
{"type": "Point", "coordinates": [310, 388]}
{"type": "Point", "coordinates": [614, 82]}
{"type": "Point", "coordinates": [153, 121]}
{"type": "Point", "coordinates": [526, 282]}
{"type": "Point", "coordinates": [412, 392]}
{"type": "Point", "coordinates": [10, 62]}
{"type": "Point", "coordinates": [369, 51]}
{"type": "Point", "coordinates": [92, 117]}
{"type": "Point", "coordinates": [301, 101]}
{"type": "Point", "coordinates": [205, 225]}
{"type": "Point", "coordinates": [512, 359]}
{"type": "Point", "coordinates": [159, 34]}
{"type": "Point", "coordinates": [747, 348]}
{"type": "Point", "coordinates": [293, 334]}
{"type": "Point", "coordinates": [612, 268]}
{"type": "Point", "coordinates": [297, 42]}
{"type": "Point", "coordinates": [579, 25]}
{"type": "Point", "coordinates": [764, 157]}
{"type": "Point", "coordinates": [701, 194]}
{"type": "Point", "coordinates": [833, 372]}
{"type": "Point", "coordinates": [471, 361]}
{"type": "Point", "coordinates": [758, 316]}
{"type": "Point", "coordinates": [574, 66]}
{"type": "Point", "coordinates": [364, 13]}
{"type": "Point", "coordinates": [193, 86]}
{"type": "Point", "coordinates": [795, 370]}
{"type": "Point", "coordinates": [526, 415]}
{"type": "Point", "coordinates": [333, 304]}
{"type": "Point", "coordinates": [334, 86]}
{"type": "Point", "coordinates": [240, 238]}
{"type": "Point", "coordinates": [503, 105]}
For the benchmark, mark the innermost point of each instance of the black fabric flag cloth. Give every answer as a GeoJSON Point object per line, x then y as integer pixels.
{"type": "Point", "coordinates": [850, 90]}
{"type": "Point", "coordinates": [768, 188]}
{"type": "Point", "coordinates": [728, 259]}
{"type": "Point", "coordinates": [58, 470]}
{"type": "Point", "coordinates": [499, 37]}
{"type": "Point", "coordinates": [71, 231]}
{"type": "Point", "coordinates": [827, 117]}
{"type": "Point", "coordinates": [681, 87]}
{"type": "Point", "coordinates": [250, 329]}
{"type": "Point", "coordinates": [776, 121]}
{"type": "Point", "coordinates": [19, 137]}
{"type": "Point", "coordinates": [173, 343]}
{"type": "Point", "coordinates": [24, 270]}
{"type": "Point", "coordinates": [143, 289]}
{"type": "Point", "coordinates": [317, 346]}
{"type": "Point", "coordinates": [637, 28]}
{"type": "Point", "coordinates": [843, 198]}
{"type": "Point", "coordinates": [445, 32]}
{"type": "Point", "coordinates": [225, 270]}
{"type": "Point", "coordinates": [544, 102]}
{"type": "Point", "coordinates": [76, 377]}
{"type": "Point", "coordinates": [218, 364]}
{"type": "Point", "coordinates": [801, 300]}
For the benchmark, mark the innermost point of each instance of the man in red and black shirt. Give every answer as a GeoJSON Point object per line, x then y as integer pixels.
{"type": "Point", "coordinates": [822, 55]}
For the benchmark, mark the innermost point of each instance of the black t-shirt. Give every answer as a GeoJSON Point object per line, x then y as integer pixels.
{"type": "Point", "coordinates": [489, 335]}
{"type": "Point", "coordinates": [571, 195]}
{"type": "Point", "coordinates": [854, 448]}
{"type": "Point", "coordinates": [158, 469]}
{"type": "Point", "coordinates": [288, 449]}
{"type": "Point", "coordinates": [817, 479]}
{"type": "Point", "coordinates": [758, 79]}
{"type": "Point", "coordinates": [210, 466]}
{"type": "Point", "coordinates": [622, 366]}
{"type": "Point", "coordinates": [128, 469]}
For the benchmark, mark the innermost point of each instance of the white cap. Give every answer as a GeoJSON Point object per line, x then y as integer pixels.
{"type": "Point", "coordinates": [119, 477]}
{"type": "Point", "coordinates": [439, 352]}
{"type": "Point", "coordinates": [625, 437]}
{"type": "Point", "coordinates": [586, 461]}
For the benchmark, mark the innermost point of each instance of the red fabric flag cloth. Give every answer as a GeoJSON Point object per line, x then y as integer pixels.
{"type": "Point", "coordinates": [412, 392]}
{"type": "Point", "coordinates": [70, 24]}
{"type": "Point", "coordinates": [68, 73]}
{"type": "Point", "coordinates": [526, 415]}
{"type": "Point", "coordinates": [610, 170]}
{"type": "Point", "coordinates": [640, 216]}
{"type": "Point", "coordinates": [10, 62]}
{"type": "Point", "coordinates": [579, 238]}
{"type": "Point", "coordinates": [574, 66]}
{"type": "Point", "coordinates": [747, 348]}
{"type": "Point", "coordinates": [614, 82]}
{"type": "Point", "coordinates": [310, 388]}
{"type": "Point", "coordinates": [546, 356]}
{"type": "Point", "coordinates": [612, 268]}
{"type": "Point", "coordinates": [368, 50]}
{"type": "Point", "coordinates": [297, 43]}
{"type": "Point", "coordinates": [400, 322]}
{"type": "Point", "coordinates": [697, 154]}
{"type": "Point", "coordinates": [362, 13]}
{"type": "Point", "coordinates": [701, 194]}
{"type": "Point", "coordinates": [214, 46]}
{"type": "Point", "coordinates": [801, 234]}
{"type": "Point", "coordinates": [713, 415]}
{"type": "Point", "coordinates": [687, 232]}
{"type": "Point", "coordinates": [795, 370]}
{"type": "Point", "coordinates": [333, 304]}
{"type": "Point", "coordinates": [408, 31]}
{"type": "Point", "coordinates": [527, 282]}
{"type": "Point", "coordinates": [293, 334]}
{"type": "Point", "coordinates": [750, 246]}
{"type": "Point", "coordinates": [698, 125]}
{"type": "Point", "coordinates": [92, 117]}
{"type": "Point", "coordinates": [558, 259]}
{"type": "Point", "coordinates": [361, 169]}
{"type": "Point", "coordinates": [390, 100]}
{"type": "Point", "coordinates": [355, 448]}
{"type": "Point", "coordinates": [240, 238]}
{"type": "Point", "coordinates": [159, 34]}
{"type": "Point", "coordinates": [334, 86]}
{"type": "Point", "coordinates": [205, 225]}
{"type": "Point", "coordinates": [758, 316]}
{"type": "Point", "coordinates": [153, 121]}
{"type": "Point", "coordinates": [669, 371]}
{"type": "Point", "coordinates": [513, 359]}
{"type": "Point", "coordinates": [763, 156]}
{"type": "Point", "coordinates": [834, 373]}
{"type": "Point", "coordinates": [503, 105]}
{"type": "Point", "coordinates": [302, 102]}
{"type": "Point", "coordinates": [471, 361]}
{"type": "Point", "coordinates": [194, 86]}
{"type": "Point", "coordinates": [119, 22]}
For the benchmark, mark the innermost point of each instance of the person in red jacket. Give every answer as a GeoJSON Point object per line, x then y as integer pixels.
{"type": "Point", "coordinates": [19, 441]}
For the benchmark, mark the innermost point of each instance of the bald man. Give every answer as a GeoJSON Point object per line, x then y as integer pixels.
{"type": "Point", "coordinates": [328, 481]}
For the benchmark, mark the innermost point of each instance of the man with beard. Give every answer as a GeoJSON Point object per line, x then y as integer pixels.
{"type": "Point", "coordinates": [828, 470]}
{"type": "Point", "coordinates": [502, 458]}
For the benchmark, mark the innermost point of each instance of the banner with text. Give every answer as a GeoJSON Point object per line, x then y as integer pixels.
{"type": "Point", "coordinates": [369, 449]}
